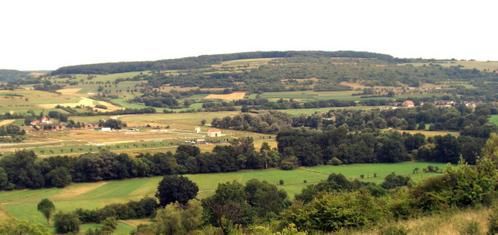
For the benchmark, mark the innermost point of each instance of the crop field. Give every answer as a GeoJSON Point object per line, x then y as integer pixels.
{"type": "Point", "coordinates": [229, 97]}
{"type": "Point", "coordinates": [21, 204]}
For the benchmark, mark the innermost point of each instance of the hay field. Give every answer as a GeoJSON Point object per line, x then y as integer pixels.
{"type": "Point", "coordinates": [232, 96]}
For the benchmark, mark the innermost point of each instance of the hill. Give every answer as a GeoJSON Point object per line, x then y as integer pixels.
{"type": "Point", "coordinates": [8, 75]}
{"type": "Point", "coordinates": [205, 60]}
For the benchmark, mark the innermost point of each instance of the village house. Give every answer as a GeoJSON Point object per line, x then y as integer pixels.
{"type": "Point", "coordinates": [408, 104]}
{"type": "Point", "coordinates": [214, 133]}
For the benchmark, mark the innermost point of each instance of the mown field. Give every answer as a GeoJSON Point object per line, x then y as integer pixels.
{"type": "Point", "coordinates": [21, 204]}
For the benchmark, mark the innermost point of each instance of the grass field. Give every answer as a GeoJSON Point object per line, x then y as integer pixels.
{"type": "Point", "coordinates": [324, 110]}
{"type": "Point", "coordinates": [427, 133]}
{"type": "Point", "coordinates": [21, 204]}
{"type": "Point", "coordinates": [307, 96]}
{"type": "Point", "coordinates": [494, 119]}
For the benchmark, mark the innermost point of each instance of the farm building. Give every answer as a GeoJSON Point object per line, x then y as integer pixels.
{"type": "Point", "coordinates": [105, 129]}
{"type": "Point", "coordinates": [408, 104]}
{"type": "Point", "coordinates": [214, 133]}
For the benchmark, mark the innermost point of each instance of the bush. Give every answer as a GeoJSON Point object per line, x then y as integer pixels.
{"type": "Point", "coordinates": [394, 181]}
{"type": "Point", "coordinates": [66, 223]}
{"type": "Point", "coordinates": [335, 211]}
{"type": "Point", "coordinates": [335, 161]}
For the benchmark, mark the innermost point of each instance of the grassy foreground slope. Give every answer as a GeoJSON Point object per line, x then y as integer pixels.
{"type": "Point", "coordinates": [21, 204]}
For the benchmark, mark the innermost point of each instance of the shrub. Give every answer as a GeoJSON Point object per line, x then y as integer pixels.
{"type": "Point", "coordinates": [394, 181]}
{"type": "Point", "coordinates": [66, 223]}
{"type": "Point", "coordinates": [335, 211]}
{"type": "Point", "coordinates": [335, 161]}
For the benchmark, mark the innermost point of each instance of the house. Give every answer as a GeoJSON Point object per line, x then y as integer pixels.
{"type": "Point", "coordinates": [214, 133]}
{"type": "Point", "coordinates": [197, 130]}
{"type": "Point", "coordinates": [408, 104]}
{"type": "Point", "coordinates": [105, 129]}
{"type": "Point", "coordinates": [200, 141]}
{"type": "Point", "coordinates": [45, 120]}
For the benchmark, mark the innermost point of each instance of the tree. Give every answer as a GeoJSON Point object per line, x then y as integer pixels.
{"type": "Point", "coordinates": [174, 188]}
{"type": "Point", "coordinates": [4, 180]}
{"type": "Point", "coordinates": [66, 223]}
{"type": "Point", "coordinates": [47, 208]}
{"type": "Point", "coordinates": [265, 199]}
{"type": "Point", "coordinates": [59, 177]}
{"type": "Point", "coordinates": [228, 206]}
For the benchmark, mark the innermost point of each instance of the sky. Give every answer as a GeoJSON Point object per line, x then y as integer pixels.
{"type": "Point", "coordinates": [45, 35]}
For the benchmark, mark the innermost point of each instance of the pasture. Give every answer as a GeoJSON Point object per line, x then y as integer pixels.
{"type": "Point", "coordinates": [21, 204]}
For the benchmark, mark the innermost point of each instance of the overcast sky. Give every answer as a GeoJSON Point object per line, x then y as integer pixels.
{"type": "Point", "coordinates": [47, 34]}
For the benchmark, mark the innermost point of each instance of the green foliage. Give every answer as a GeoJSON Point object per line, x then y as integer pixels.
{"type": "Point", "coordinates": [109, 225]}
{"type": "Point", "coordinates": [59, 177]}
{"type": "Point", "coordinates": [394, 181]}
{"type": "Point", "coordinates": [176, 189]}
{"type": "Point", "coordinates": [175, 218]}
{"type": "Point", "coordinates": [66, 223]}
{"type": "Point", "coordinates": [19, 227]}
{"type": "Point", "coordinates": [228, 206]}
{"type": "Point", "coordinates": [47, 208]}
{"type": "Point", "coordinates": [4, 180]}
{"type": "Point", "coordinates": [265, 199]}
{"type": "Point", "coordinates": [335, 211]}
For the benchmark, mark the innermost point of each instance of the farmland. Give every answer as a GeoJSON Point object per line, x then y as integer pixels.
{"type": "Point", "coordinates": [96, 195]}
{"type": "Point", "coordinates": [174, 129]}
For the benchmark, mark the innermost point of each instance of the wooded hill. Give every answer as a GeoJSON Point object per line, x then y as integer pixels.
{"type": "Point", "coordinates": [206, 60]}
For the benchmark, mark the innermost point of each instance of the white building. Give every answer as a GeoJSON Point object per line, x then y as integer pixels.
{"type": "Point", "coordinates": [214, 133]}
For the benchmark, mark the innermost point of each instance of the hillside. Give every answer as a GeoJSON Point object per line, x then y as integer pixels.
{"type": "Point", "coordinates": [206, 60]}
{"type": "Point", "coordinates": [7, 75]}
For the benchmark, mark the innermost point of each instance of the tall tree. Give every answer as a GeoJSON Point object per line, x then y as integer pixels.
{"type": "Point", "coordinates": [47, 208]}
{"type": "Point", "coordinates": [174, 188]}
